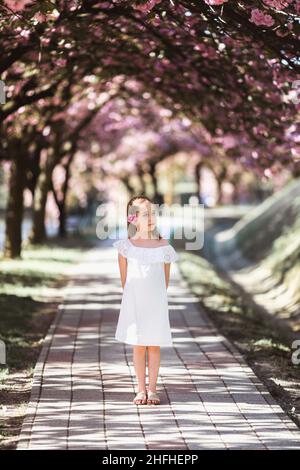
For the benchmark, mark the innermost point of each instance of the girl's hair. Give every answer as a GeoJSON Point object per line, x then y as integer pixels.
{"type": "Point", "coordinates": [133, 209]}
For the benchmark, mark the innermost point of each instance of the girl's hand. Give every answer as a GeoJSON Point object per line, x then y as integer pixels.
{"type": "Point", "coordinates": [167, 273]}
{"type": "Point", "coordinates": [123, 269]}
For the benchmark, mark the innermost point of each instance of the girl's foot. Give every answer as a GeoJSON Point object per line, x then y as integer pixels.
{"type": "Point", "coordinates": [153, 398]}
{"type": "Point", "coordinates": [140, 398]}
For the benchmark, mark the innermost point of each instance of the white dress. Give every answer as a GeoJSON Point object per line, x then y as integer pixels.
{"type": "Point", "coordinates": [144, 313]}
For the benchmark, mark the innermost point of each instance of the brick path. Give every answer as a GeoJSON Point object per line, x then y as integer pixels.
{"type": "Point", "coordinates": [84, 380]}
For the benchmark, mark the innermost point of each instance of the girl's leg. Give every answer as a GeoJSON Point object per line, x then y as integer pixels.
{"type": "Point", "coordinates": [139, 361]}
{"type": "Point", "coordinates": [153, 366]}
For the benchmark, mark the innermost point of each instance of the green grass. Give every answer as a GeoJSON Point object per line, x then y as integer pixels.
{"type": "Point", "coordinates": [213, 291]}
{"type": "Point", "coordinates": [256, 231]}
{"type": "Point", "coordinates": [258, 342]}
{"type": "Point", "coordinates": [29, 289]}
{"type": "Point", "coordinates": [226, 306]}
{"type": "Point", "coordinates": [269, 236]}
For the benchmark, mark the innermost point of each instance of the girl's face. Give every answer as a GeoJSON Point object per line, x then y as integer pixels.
{"type": "Point", "coordinates": [146, 220]}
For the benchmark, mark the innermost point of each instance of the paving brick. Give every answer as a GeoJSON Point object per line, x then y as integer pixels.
{"type": "Point", "coordinates": [84, 381]}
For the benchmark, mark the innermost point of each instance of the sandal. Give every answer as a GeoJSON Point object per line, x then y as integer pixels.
{"type": "Point", "coordinates": [153, 398]}
{"type": "Point", "coordinates": [140, 397]}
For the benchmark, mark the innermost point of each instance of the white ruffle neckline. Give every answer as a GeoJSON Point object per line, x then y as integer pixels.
{"type": "Point", "coordinates": [146, 255]}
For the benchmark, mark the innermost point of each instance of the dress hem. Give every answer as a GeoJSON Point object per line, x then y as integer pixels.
{"type": "Point", "coordinates": [143, 344]}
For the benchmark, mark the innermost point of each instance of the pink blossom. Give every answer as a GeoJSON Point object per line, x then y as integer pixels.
{"type": "Point", "coordinates": [40, 17]}
{"type": "Point", "coordinates": [17, 5]}
{"type": "Point", "coordinates": [146, 6]}
{"type": "Point", "coordinates": [25, 33]}
{"type": "Point", "coordinates": [281, 34]}
{"type": "Point", "coordinates": [132, 218]}
{"type": "Point", "coordinates": [260, 18]}
{"type": "Point", "coordinates": [277, 4]}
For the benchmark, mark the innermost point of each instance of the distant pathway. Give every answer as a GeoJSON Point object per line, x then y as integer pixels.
{"type": "Point", "coordinates": [84, 380]}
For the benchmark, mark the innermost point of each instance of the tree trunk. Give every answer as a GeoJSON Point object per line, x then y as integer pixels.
{"type": "Point", "coordinates": [220, 175]}
{"type": "Point", "coordinates": [15, 207]}
{"type": "Point", "coordinates": [296, 171]}
{"type": "Point", "coordinates": [198, 169]}
{"type": "Point", "coordinates": [236, 182]}
{"type": "Point", "coordinates": [38, 233]}
{"type": "Point", "coordinates": [62, 212]}
{"type": "Point", "coordinates": [156, 195]}
{"type": "Point", "coordinates": [61, 204]}
{"type": "Point", "coordinates": [128, 186]}
{"type": "Point", "coordinates": [62, 221]}
{"type": "Point", "coordinates": [140, 175]}
{"type": "Point", "coordinates": [220, 193]}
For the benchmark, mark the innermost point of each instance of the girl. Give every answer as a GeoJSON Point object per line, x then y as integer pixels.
{"type": "Point", "coordinates": [144, 262]}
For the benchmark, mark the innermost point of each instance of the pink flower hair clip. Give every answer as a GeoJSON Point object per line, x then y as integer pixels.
{"type": "Point", "coordinates": [132, 218]}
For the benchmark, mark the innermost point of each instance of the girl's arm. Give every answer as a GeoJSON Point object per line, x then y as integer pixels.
{"type": "Point", "coordinates": [167, 273]}
{"type": "Point", "coordinates": [123, 268]}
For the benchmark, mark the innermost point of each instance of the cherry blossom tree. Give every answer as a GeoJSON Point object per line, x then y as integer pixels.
{"type": "Point", "coordinates": [227, 67]}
